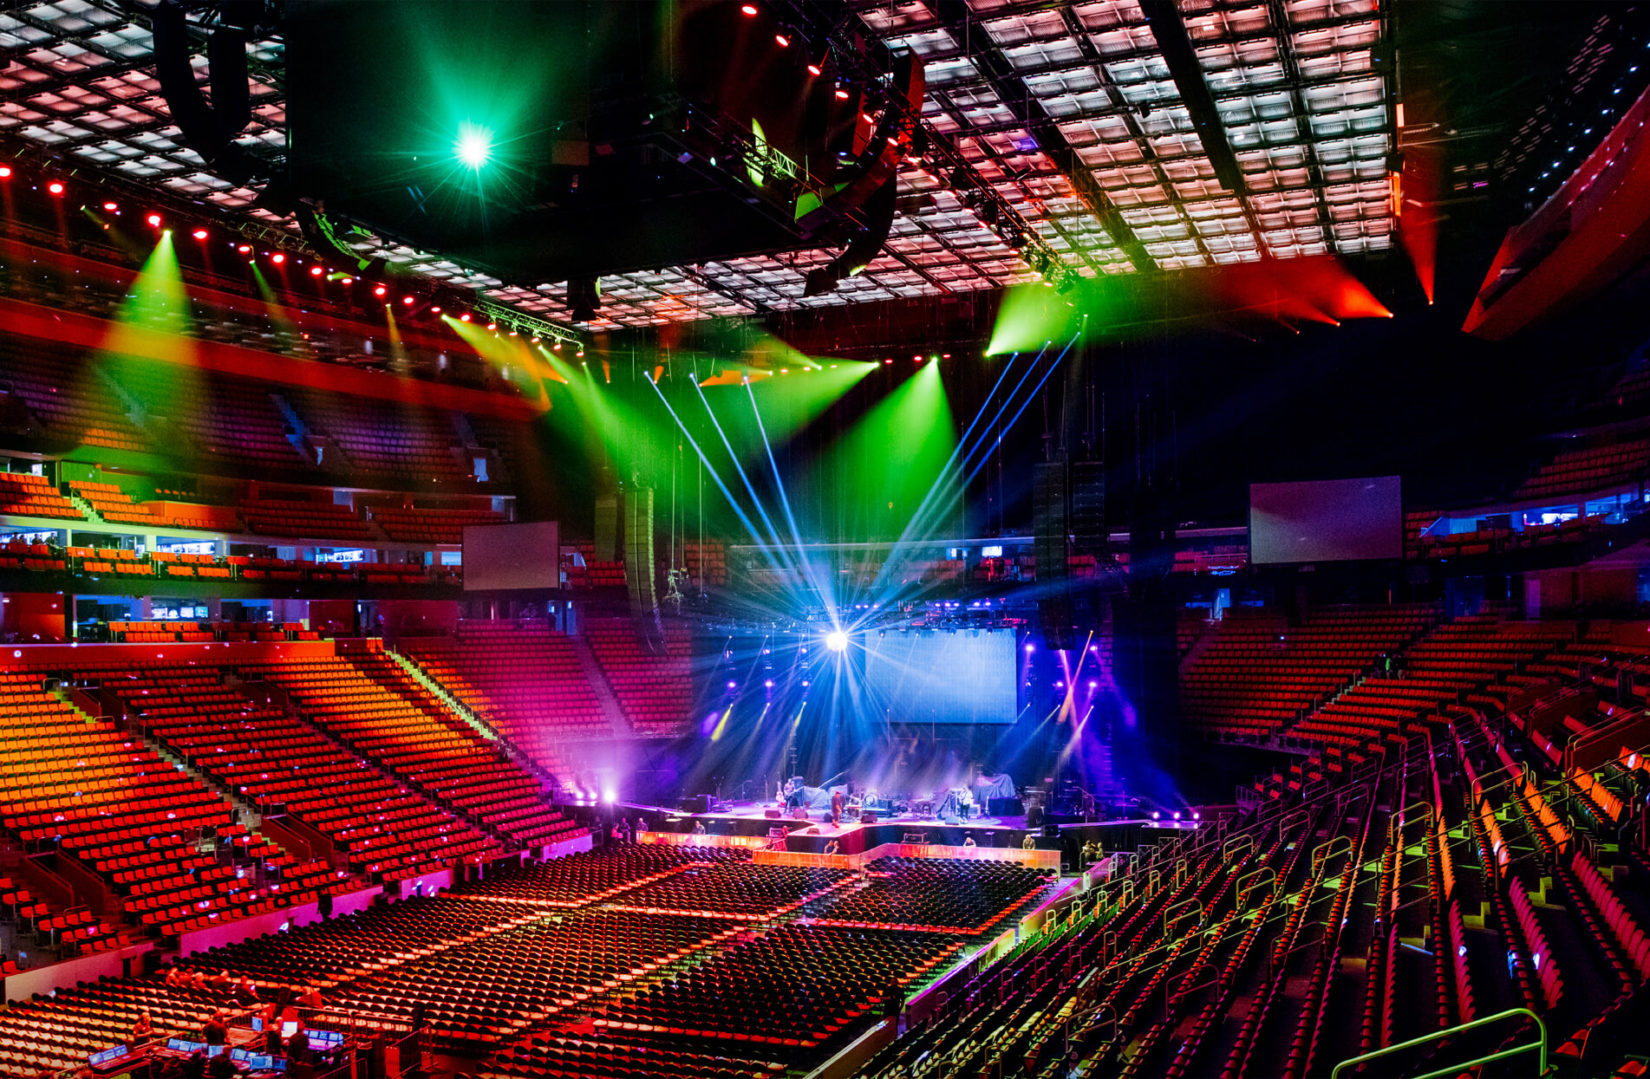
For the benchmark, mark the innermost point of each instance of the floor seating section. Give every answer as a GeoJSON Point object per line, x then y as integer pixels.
{"type": "Point", "coordinates": [52, 1035]}
{"type": "Point", "coordinates": [1589, 470]}
{"type": "Point", "coordinates": [587, 877]}
{"type": "Point", "coordinates": [946, 896]}
{"type": "Point", "coordinates": [24, 494]}
{"type": "Point", "coordinates": [416, 525]}
{"type": "Point", "coordinates": [170, 851]}
{"type": "Point", "coordinates": [655, 691]}
{"type": "Point", "coordinates": [1254, 672]}
{"type": "Point", "coordinates": [523, 679]}
{"type": "Point", "coordinates": [736, 890]}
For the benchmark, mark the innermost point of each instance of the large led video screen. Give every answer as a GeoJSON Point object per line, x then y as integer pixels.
{"type": "Point", "coordinates": [1326, 520]}
{"type": "Point", "coordinates": [512, 557]}
{"type": "Point", "coordinates": [966, 676]}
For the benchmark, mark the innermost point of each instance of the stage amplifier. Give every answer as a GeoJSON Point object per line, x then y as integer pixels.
{"type": "Point", "coordinates": [696, 803]}
{"type": "Point", "coordinates": [867, 817]}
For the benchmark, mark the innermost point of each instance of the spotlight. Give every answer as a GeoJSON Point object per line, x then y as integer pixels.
{"type": "Point", "coordinates": [380, 291]}
{"type": "Point", "coordinates": [492, 327]}
{"type": "Point", "coordinates": [841, 90]}
{"type": "Point", "coordinates": [556, 347]}
{"type": "Point", "coordinates": [56, 187]}
{"type": "Point", "coordinates": [1030, 648]}
{"type": "Point", "coordinates": [465, 317]}
{"type": "Point", "coordinates": [5, 172]}
{"type": "Point", "coordinates": [783, 37]}
{"type": "Point", "coordinates": [816, 65]}
{"type": "Point", "coordinates": [199, 234]}
{"type": "Point", "coordinates": [278, 258]}
{"type": "Point", "coordinates": [153, 221]}
{"type": "Point", "coordinates": [475, 146]}
{"type": "Point", "coordinates": [435, 309]}
{"type": "Point", "coordinates": [836, 641]}
{"type": "Point", "coordinates": [245, 249]}
{"type": "Point", "coordinates": [747, 9]}
{"type": "Point", "coordinates": [111, 207]}
{"type": "Point", "coordinates": [408, 301]}
{"type": "Point", "coordinates": [316, 271]}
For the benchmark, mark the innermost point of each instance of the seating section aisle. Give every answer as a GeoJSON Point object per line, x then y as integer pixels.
{"type": "Point", "coordinates": [385, 439]}
{"type": "Point", "coordinates": [655, 691]}
{"type": "Point", "coordinates": [1478, 653]}
{"type": "Point", "coordinates": [1253, 672]}
{"type": "Point", "coordinates": [231, 421]}
{"type": "Point", "coordinates": [524, 680]}
{"type": "Point", "coordinates": [406, 728]}
{"type": "Point", "coordinates": [285, 767]}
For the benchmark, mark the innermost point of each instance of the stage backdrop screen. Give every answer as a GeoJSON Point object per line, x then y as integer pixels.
{"type": "Point", "coordinates": [943, 677]}
{"type": "Point", "coordinates": [516, 556]}
{"type": "Point", "coordinates": [1326, 520]}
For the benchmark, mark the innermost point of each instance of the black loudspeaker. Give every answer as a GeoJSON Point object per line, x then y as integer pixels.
{"type": "Point", "coordinates": [771, 814]}
{"type": "Point", "coordinates": [641, 575]}
{"type": "Point", "coordinates": [607, 528]}
{"type": "Point", "coordinates": [1048, 520]}
{"type": "Point", "coordinates": [1088, 508]}
{"type": "Point", "coordinates": [696, 803]}
{"type": "Point", "coordinates": [1034, 816]}
{"type": "Point", "coordinates": [1004, 807]}
{"type": "Point", "coordinates": [1051, 831]}
{"type": "Point", "coordinates": [867, 817]}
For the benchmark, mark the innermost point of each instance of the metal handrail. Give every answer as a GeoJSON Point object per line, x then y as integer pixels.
{"type": "Point", "coordinates": [1456, 1069]}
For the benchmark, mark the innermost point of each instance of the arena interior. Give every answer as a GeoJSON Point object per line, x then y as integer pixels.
{"type": "Point", "coordinates": [914, 539]}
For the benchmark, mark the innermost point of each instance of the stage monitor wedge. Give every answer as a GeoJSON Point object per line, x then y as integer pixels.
{"type": "Point", "coordinates": [512, 557]}
{"type": "Point", "coordinates": [1326, 521]}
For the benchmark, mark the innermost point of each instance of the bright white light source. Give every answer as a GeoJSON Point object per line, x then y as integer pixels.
{"type": "Point", "coordinates": [836, 641]}
{"type": "Point", "coordinates": [475, 146]}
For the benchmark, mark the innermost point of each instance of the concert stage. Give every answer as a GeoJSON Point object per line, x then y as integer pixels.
{"type": "Point", "coordinates": [815, 834]}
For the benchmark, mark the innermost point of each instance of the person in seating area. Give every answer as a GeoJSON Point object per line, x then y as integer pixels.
{"type": "Point", "coordinates": [143, 1031]}
{"type": "Point", "coordinates": [215, 1032]}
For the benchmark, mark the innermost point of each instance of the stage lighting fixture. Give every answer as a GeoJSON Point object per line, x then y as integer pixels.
{"type": "Point", "coordinates": [112, 207]}
{"type": "Point", "coordinates": [747, 9]}
{"type": "Point", "coordinates": [245, 249]}
{"type": "Point", "coordinates": [474, 146]}
{"type": "Point", "coordinates": [836, 641]}
{"type": "Point", "coordinates": [5, 172]}
{"type": "Point", "coordinates": [277, 258]}
{"type": "Point", "coordinates": [465, 317]}
{"type": "Point", "coordinates": [380, 291]}
{"type": "Point", "coordinates": [199, 234]}
{"type": "Point", "coordinates": [408, 301]}
{"type": "Point", "coordinates": [783, 38]}
{"type": "Point", "coordinates": [435, 309]}
{"type": "Point", "coordinates": [153, 221]}
{"type": "Point", "coordinates": [316, 271]}
{"type": "Point", "coordinates": [56, 187]}
{"type": "Point", "coordinates": [492, 327]}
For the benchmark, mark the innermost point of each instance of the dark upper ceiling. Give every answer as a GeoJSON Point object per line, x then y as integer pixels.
{"type": "Point", "coordinates": [1134, 135]}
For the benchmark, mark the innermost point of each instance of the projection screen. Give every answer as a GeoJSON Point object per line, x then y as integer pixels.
{"type": "Point", "coordinates": [512, 556]}
{"type": "Point", "coordinates": [1326, 520]}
